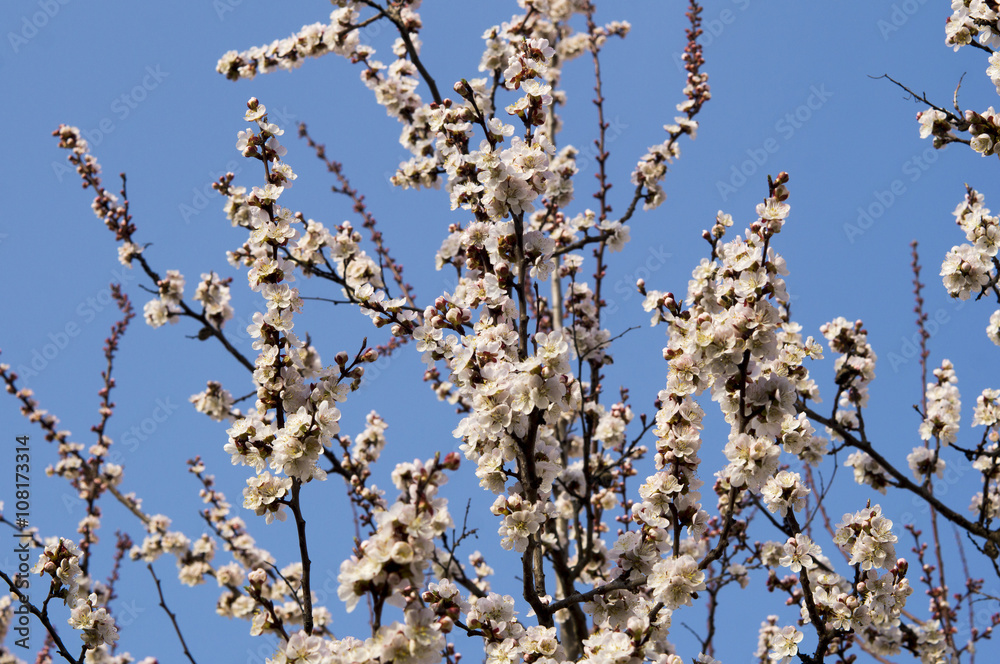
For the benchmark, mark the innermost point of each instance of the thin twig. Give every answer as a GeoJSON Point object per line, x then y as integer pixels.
{"type": "Point", "coordinates": [173, 618]}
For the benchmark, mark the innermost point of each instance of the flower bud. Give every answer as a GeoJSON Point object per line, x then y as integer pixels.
{"type": "Point", "coordinates": [462, 88]}
{"type": "Point", "coordinates": [452, 461]}
{"type": "Point", "coordinates": [257, 578]}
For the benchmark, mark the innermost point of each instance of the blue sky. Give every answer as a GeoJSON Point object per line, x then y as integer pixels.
{"type": "Point", "coordinates": [794, 89]}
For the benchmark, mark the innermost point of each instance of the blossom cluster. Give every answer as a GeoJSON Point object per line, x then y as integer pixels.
{"type": "Point", "coordinates": [61, 561]}
{"type": "Point", "coordinates": [165, 308]}
{"type": "Point", "coordinates": [941, 423]}
{"type": "Point", "coordinates": [518, 344]}
{"type": "Point", "coordinates": [291, 441]}
{"type": "Point", "coordinates": [339, 37]}
{"type": "Point", "coordinates": [394, 558]}
{"type": "Point", "coordinates": [968, 269]}
{"type": "Point", "coordinates": [973, 20]}
{"type": "Point", "coordinates": [987, 413]}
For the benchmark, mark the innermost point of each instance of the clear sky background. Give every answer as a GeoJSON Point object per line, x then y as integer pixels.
{"type": "Point", "coordinates": [139, 79]}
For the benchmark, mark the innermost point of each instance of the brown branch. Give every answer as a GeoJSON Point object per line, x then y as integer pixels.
{"type": "Point", "coordinates": [173, 617]}
{"type": "Point", "coordinates": [43, 616]}
{"type": "Point", "coordinates": [118, 219]}
{"type": "Point", "coordinates": [300, 526]}
{"type": "Point", "coordinates": [727, 525]}
{"type": "Point", "coordinates": [901, 479]}
{"type": "Point", "coordinates": [393, 14]}
{"type": "Point", "coordinates": [368, 220]}
{"type": "Point", "coordinates": [618, 584]}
